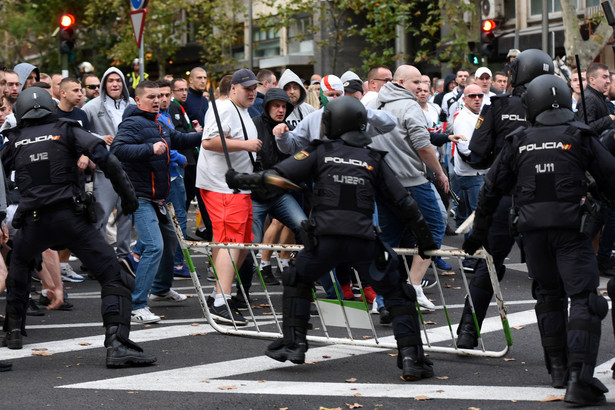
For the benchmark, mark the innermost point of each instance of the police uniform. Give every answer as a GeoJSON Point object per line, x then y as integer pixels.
{"type": "Point", "coordinates": [53, 213]}
{"type": "Point", "coordinates": [347, 177]}
{"type": "Point", "coordinates": [544, 166]}
{"type": "Point", "coordinates": [505, 114]}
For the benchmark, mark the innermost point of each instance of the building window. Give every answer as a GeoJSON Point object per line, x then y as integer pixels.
{"type": "Point", "coordinates": [238, 50]}
{"type": "Point", "coordinates": [265, 42]}
{"type": "Point", "coordinates": [300, 38]}
{"type": "Point", "coordinates": [510, 9]}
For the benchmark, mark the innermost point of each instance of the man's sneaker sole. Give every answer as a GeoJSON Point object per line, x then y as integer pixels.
{"type": "Point", "coordinates": [66, 278]}
{"type": "Point", "coordinates": [219, 318]}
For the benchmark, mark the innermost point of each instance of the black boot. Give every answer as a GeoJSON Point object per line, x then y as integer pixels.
{"type": "Point", "coordinates": [295, 352]}
{"type": "Point", "coordinates": [123, 352]}
{"type": "Point", "coordinates": [13, 327]}
{"type": "Point", "coordinates": [5, 366]}
{"type": "Point", "coordinates": [557, 366]}
{"type": "Point", "coordinates": [581, 393]}
{"type": "Point", "coordinates": [468, 337]}
{"type": "Point", "coordinates": [413, 363]}
{"type": "Point", "coordinates": [268, 276]}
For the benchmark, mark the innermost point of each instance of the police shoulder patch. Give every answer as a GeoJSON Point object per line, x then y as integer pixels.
{"type": "Point", "coordinates": [301, 155]}
{"type": "Point", "coordinates": [479, 122]}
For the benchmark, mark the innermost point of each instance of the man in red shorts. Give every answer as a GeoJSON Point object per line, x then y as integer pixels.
{"type": "Point", "coordinates": [231, 214]}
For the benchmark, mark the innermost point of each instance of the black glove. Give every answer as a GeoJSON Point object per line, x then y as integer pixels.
{"type": "Point", "coordinates": [475, 241]}
{"type": "Point", "coordinates": [130, 203]}
{"type": "Point", "coordinates": [425, 243]}
{"type": "Point", "coordinates": [236, 180]}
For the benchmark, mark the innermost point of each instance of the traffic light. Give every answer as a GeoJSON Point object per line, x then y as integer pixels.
{"type": "Point", "coordinates": [487, 36]}
{"type": "Point", "coordinates": [472, 56]}
{"type": "Point", "coordinates": [67, 30]}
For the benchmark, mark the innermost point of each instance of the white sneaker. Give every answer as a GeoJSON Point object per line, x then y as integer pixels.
{"type": "Point", "coordinates": [422, 299]}
{"type": "Point", "coordinates": [374, 310]}
{"type": "Point", "coordinates": [170, 296]}
{"type": "Point", "coordinates": [69, 275]}
{"type": "Point", "coordinates": [143, 315]}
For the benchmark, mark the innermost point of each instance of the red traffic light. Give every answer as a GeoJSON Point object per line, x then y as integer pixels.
{"type": "Point", "coordinates": [67, 20]}
{"type": "Point", "coordinates": [488, 25]}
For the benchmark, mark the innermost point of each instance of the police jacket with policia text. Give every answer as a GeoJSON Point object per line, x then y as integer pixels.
{"type": "Point", "coordinates": [503, 116]}
{"type": "Point", "coordinates": [545, 166]}
{"type": "Point", "coordinates": [133, 146]}
{"type": "Point", "coordinates": [44, 158]}
{"type": "Point", "coordinates": [347, 180]}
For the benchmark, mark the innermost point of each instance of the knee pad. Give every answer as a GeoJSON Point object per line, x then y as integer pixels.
{"type": "Point", "coordinates": [289, 275]}
{"type": "Point", "coordinates": [598, 305]}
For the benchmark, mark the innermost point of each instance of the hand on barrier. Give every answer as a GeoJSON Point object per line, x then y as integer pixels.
{"type": "Point", "coordinates": [474, 243]}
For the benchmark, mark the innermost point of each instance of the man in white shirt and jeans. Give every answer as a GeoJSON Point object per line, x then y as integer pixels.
{"type": "Point", "coordinates": [469, 180]}
{"type": "Point", "coordinates": [231, 214]}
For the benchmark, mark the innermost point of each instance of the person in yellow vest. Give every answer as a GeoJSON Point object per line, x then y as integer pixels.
{"type": "Point", "coordinates": [133, 78]}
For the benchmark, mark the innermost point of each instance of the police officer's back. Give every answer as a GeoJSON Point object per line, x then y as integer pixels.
{"type": "Point", "coordinates": [544, 166]}
{"type": "Point", "coordinates": [347, 177]}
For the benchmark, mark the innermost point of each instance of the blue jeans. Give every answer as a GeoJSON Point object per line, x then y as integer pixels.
{"type": "Point", "coordinates": [283, 208]}
{"type": "Point", "coordinates": [469, 187]}
{"type": "Point", "coordinates": [394, 231]}
{"type": "Point", "coordinates": [177, 196]}
{"type": "Point", "coordinates": [158, 243]}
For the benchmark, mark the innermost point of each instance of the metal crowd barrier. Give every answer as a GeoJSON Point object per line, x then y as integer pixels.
{"type": "Point", "coordinates": [350, 322]}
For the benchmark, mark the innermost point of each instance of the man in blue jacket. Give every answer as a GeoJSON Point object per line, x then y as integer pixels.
{"type": "Point", "coordinates": [142, 145]}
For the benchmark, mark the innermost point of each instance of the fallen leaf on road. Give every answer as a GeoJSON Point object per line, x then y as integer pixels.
{"type": "Point", "coordinates": [457, 287]}
{"type": "Point", "coordinates": [41, 354]}
{"type": "Point", "coordinates": [40, 349]}
{"type": "Point", "coordinates": [353, 406]}
{"type": "Point", "coordinates": [357, 395]}
{"type": "Point", "coordinates": [442, 377]}
{"type": "Point", "coordinates": [84, 344]}
{"type": "Point", "coordinates": [198, 334]}
{"type": "Point", "coordinates": [194, 324]}
{"type": "Point", "coordinates": [227, 387]}
{"type": "Point", "coordinates": [311, 361]}
{"type": "Point", "coordinates": [553, 398]}
{"type": "Point", "coordinates": [422, 398]}
{"type": "Point", "coordinates": [448, 273]}
{"type": "Point", "coordinates": [518, 327]}
{"type": "Point", "coordinates": [509, 359]}
{"type": "Point", "coordinates": [262, 381]}
{"type": "Point", "coordinates": [430, 322]}
{"type": "Point", "coordinates": [204, 381]}
{"type": "Point", "coordinates": [326, 357]}
{"type": "Point", "coordinates": [351, 380]}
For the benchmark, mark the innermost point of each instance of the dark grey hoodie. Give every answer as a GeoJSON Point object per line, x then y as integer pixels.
{"type": "Point", "coordinates": [23, 70]}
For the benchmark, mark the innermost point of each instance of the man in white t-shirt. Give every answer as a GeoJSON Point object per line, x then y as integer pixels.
{"type": "Point", "coordinates": [469, 180]}
{"type": "Point", "coordinates": [231, 214]}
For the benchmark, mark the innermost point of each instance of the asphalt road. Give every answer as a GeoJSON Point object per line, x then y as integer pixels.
{"type": "Point", "coordinates": [62, 364]}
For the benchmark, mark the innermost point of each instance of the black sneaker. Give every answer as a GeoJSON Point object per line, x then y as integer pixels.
{"type": "Point", "coordinates": [385, 316]}
{"type": "Point", "coordinates": [268, 277]}
{"type": "Point", "coordinates": [33, 309]}
{"type": "Point", "coordinates": [45, 301]}
{"type": "Point", "coordinates": [221, 314]}
{"type": "Point", "coordinates": [427, 283]}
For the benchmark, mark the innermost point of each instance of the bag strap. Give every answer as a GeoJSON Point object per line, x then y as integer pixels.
{"type": "Point", "coordinates": [245, 136]}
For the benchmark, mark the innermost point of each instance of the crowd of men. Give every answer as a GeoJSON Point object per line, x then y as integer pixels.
{"type": "Point", "coordinates": [440, 135]}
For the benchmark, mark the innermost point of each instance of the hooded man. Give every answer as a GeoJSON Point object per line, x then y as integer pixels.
{"type": "Point", "coordinates": [105, 114]}
{"type": "Point", "coordinates": [28, 75]}
{"type": "Point", "coordinates": [292, 84]}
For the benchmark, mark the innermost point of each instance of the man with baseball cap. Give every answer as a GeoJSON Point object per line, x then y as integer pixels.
{"type": "Point", "coordinates": [231, 214]}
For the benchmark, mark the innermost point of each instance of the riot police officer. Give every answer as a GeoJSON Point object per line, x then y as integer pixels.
{"type": "Point", "coordinates": [544, 166]}
{"type": "Point", "coordinates": [53, 212]}
{"type": "Point", "coordinates": [347, 176]}
{"type": "Point", "coordinates": [504, 115]}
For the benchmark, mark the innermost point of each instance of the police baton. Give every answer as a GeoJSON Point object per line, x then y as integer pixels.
{"type": "Point", "coordinates": [576, 56]}
{"type": "Point", "coordinates": [212, 99]}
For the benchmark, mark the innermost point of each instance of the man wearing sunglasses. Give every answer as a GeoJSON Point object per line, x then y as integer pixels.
{"type": "Point", "coordinates": [468, 180]}
{"type": "Point", "coordinates": [91, 86]}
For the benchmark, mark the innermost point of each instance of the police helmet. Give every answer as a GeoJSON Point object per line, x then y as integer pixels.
{"type": "Point", "coordinates": [548, 101]}
{"type": "Point", "coordinates": [528, 65]}
{"type": "Point", "coordinates": [33, 103]}
{"type": "Point", "coordinates": [345, 118]}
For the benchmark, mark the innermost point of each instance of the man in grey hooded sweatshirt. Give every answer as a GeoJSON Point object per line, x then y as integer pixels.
{"type": "Point", "coordinates": [105, 114]}
{"type": "Point", "coordinates": [292, 84]}
{"type": "Point", "coordinates": [28, 75]}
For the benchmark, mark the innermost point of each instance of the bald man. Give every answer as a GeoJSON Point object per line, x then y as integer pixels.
{"type": "Point", "coordinates": [196, 103]}
{"type": "Point", "coordinates": [409, 147]}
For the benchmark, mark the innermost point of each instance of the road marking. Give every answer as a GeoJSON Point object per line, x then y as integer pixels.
{"type": "Point", "coordinates": [214, 378]}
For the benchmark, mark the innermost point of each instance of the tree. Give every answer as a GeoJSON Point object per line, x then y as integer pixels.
{"type": "Point", "coordinates": [597, 30]}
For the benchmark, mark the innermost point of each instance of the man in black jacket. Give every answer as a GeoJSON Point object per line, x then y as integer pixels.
{"type": "Point", "coordinates": [599, 120]}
